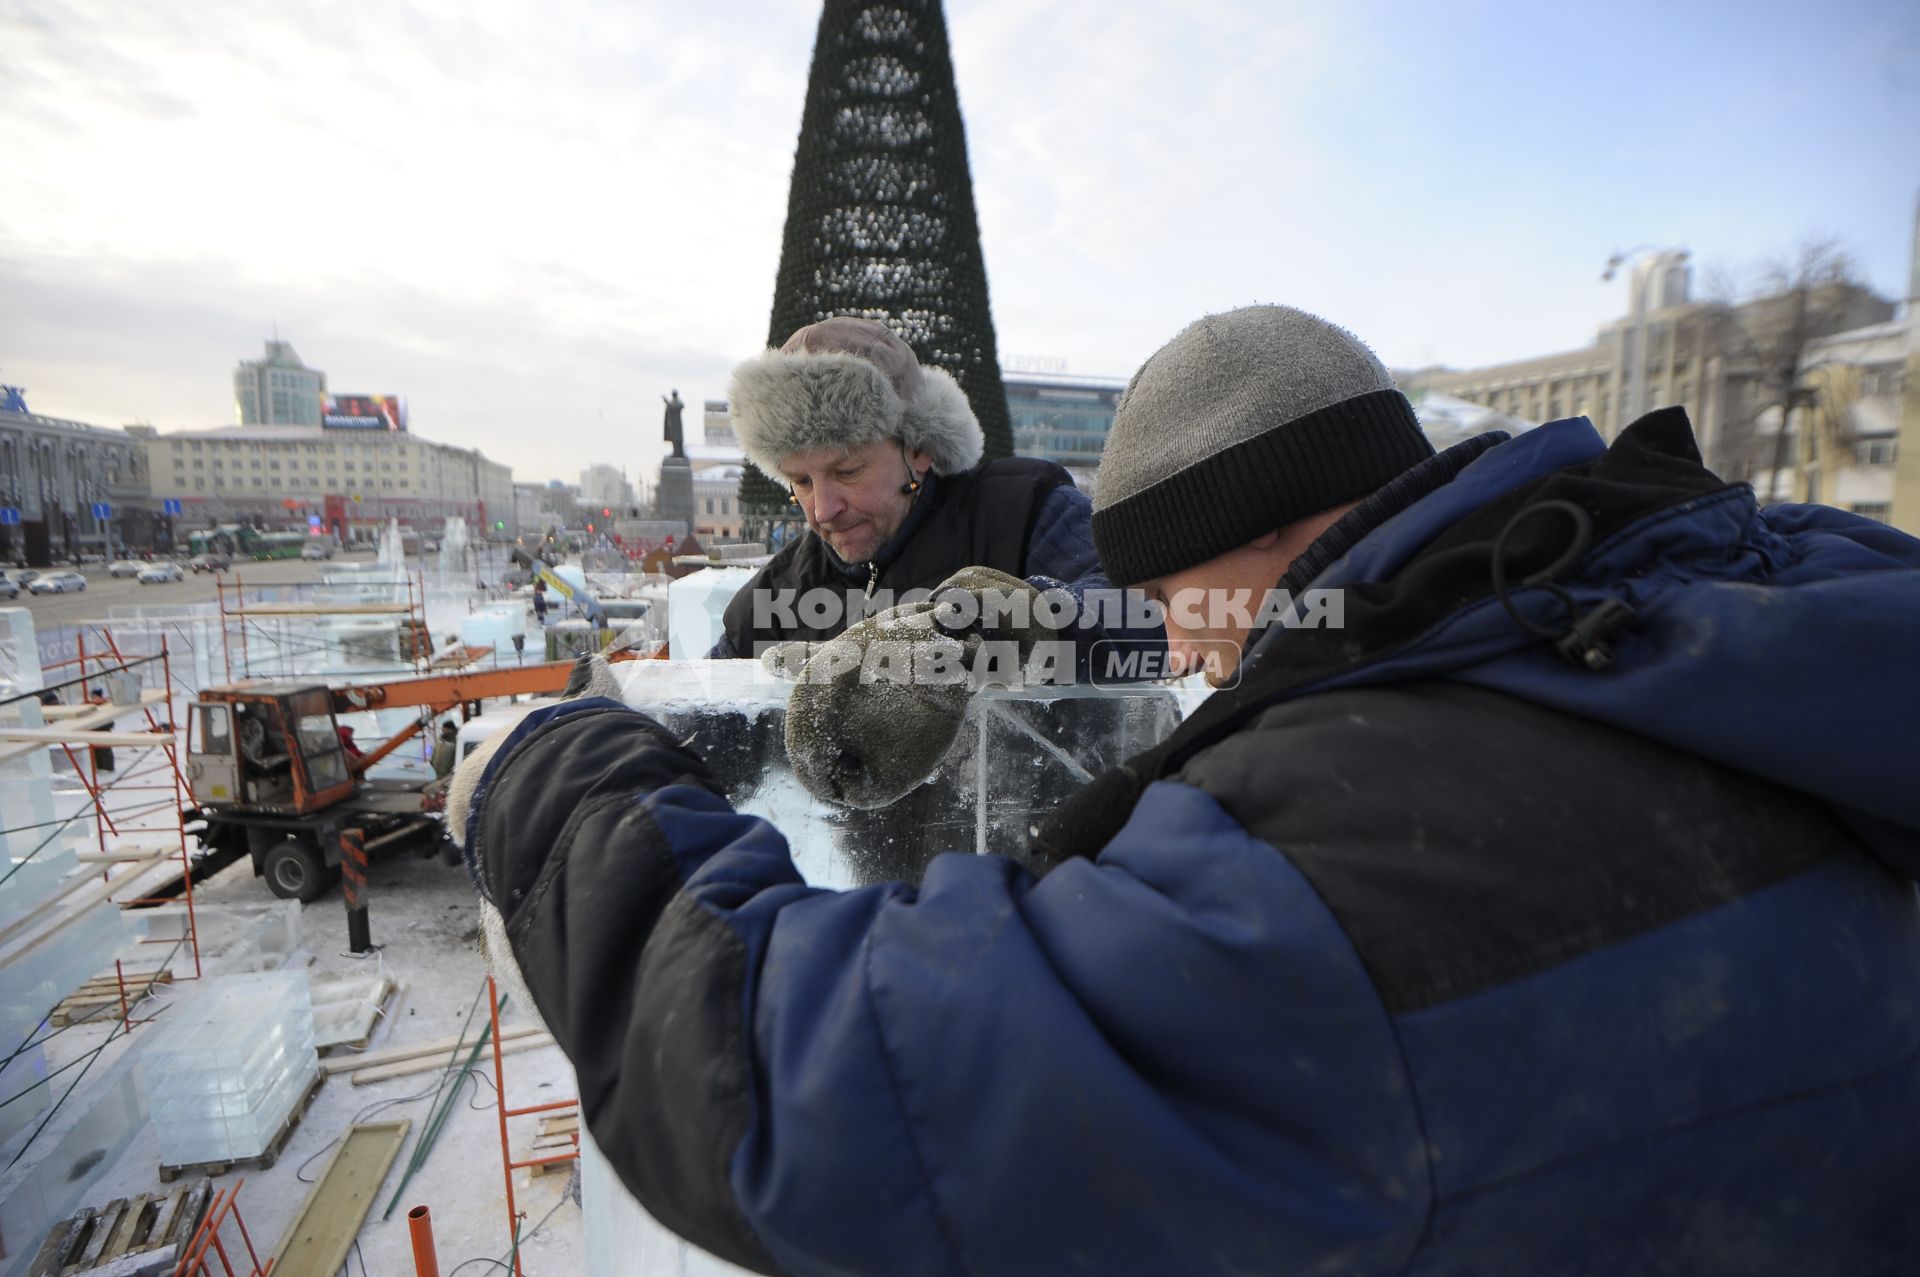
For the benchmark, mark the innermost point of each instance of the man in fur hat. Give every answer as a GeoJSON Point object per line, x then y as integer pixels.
{"type": "Point", "coordinates": [883, 456]}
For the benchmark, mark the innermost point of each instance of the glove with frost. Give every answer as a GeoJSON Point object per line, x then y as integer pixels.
{"type": "Point", "coordinates": [877, 708]}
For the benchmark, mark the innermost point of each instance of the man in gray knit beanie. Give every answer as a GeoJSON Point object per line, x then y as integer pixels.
{"type": "Point", "coordinates": [1553, 913]}
{"type": "Point", "coordinates": [1235, 446]}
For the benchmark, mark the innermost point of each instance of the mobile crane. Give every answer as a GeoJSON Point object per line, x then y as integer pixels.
{"type": "Point", "coordinates": [271, 776]}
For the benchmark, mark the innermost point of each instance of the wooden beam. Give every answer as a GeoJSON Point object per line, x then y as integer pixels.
{"type": "Point", "coordinates": [381, 1072]}
{"type": "Point", "coordinates": [317, 1241]}
{"type": "Point", "coordinates": [321, 609]}
{"type": "Point", "coordinates": [60, 713]}
{"type": "Point", "coordinates": [69, 734]}
{"type": "Point", "coordinates": [443, 1047]}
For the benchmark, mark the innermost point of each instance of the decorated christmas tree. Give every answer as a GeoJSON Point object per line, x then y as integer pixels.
{"type": "Point", "coordinates": [880, 217]}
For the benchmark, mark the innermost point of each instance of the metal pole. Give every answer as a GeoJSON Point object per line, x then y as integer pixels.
{"type": "Point", "coordinates": [353, 882]}
{"type": "Point", "coordinates": [420, 1228]}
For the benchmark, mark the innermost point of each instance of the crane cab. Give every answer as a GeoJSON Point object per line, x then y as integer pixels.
{"type": "Point", "coordinates": [267, 747]}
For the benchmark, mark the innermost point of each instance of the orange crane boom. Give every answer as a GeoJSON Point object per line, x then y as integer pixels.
{"type": "Point", "coordinates": [437, 693]}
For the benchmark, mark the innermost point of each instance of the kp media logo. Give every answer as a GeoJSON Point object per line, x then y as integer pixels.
{"type": "Point", "coordinates": [1121, 662]}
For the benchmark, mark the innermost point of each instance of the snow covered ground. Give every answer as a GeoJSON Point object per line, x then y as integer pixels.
{"type": "Point", "coordinates": [422, 918]}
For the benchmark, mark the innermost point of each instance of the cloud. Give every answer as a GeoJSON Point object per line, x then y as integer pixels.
{"type": "Point", "coordinates": [534, 219]}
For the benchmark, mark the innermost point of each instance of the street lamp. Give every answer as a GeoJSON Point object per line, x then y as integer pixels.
{"type": "Point", "coordinates": [1634, 349]}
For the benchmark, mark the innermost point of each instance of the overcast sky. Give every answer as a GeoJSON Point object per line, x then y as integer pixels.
{"type": "Point", "coordinates": [534, 219]}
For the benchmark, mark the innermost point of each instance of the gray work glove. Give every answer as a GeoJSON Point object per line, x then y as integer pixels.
{"type": "Point", "coordinates": [877, 708]}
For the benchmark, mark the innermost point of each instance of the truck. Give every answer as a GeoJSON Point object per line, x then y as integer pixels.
{"type": "Point", "coordinates": [273, 777]}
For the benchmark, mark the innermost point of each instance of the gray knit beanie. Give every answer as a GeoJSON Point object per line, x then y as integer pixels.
{"type": "Point", "coordinates": [1244, 423]}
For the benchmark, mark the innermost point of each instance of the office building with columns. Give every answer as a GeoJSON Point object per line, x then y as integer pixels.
{"type": "Point", "coordinates": [353, 481]}
{"type": "Point", "coordinates": [56, 478]}
{"type": "Point", "coordinates": [1692, 353]}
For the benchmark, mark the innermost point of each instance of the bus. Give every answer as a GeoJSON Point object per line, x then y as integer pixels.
{"type": "Point", "coordinates": [276, 545]}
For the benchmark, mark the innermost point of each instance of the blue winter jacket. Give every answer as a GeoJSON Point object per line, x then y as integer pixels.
{"type": "Point", "coordinates": [1447, 953]}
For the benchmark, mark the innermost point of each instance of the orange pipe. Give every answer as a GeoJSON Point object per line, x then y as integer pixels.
{"type": "Point", "coordinates": [420, 1226]}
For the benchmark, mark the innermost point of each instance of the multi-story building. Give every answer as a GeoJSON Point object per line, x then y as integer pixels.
{"type": "Point", "coordinates": [1062, 418]}
{"type": "Point", "coordinates": [1843, 445]}
{"type": "Point", "coordinates": [716, 503]}
{"type": "Point", "coordinates": [1707, 357]}
{"type": "Point", "coordinates": [278, 390]}
{"type": "Point", "coordinates": [57, 476]}
{"type": "Point", "coordinates": [605, 486]}
{"type": "Point", "coordinates": [352, 481]}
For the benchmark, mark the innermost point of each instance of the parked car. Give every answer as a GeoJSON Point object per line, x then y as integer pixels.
{"type": "Point", "coordinates": [64, 581]}
{"type": "Point", "coordinates": [157, 573]}
{"type": "Point", "coordinates": [318, 548]}
{"type": "Point", "coordinates": [210, 562]}
{"type": "Point", "coordinates": [125, 567]}
{"type": "Point", "coordinates": [9, 588]}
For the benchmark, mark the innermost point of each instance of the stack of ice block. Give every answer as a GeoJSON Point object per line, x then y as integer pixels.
{"type": "Point", "coordinates": [1017, 755]}
{"type": "Point", "coordinates": [227, 1072]}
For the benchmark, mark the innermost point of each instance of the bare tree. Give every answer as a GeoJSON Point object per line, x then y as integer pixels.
{"type": "Point", "coordinates": [1812, 293]}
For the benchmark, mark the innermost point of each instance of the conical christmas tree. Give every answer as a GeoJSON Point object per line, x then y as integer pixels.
{"type": "Point", "coordinates": [880, 218]}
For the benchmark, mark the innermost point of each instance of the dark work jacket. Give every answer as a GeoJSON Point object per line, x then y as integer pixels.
{"type": "Point", "coordinates": [981, 518]}
{"type": "Point", "coordinates": [1428, 952]}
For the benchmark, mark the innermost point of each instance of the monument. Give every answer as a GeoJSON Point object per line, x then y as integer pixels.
{"type": "Point", "coordinates": [673, 498]}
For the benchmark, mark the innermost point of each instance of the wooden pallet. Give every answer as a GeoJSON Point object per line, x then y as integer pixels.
{"type": "Point", "coordinates": [263, 1159]}
{"type": "Point", "coordinates": [129, 1237]}
{"type": "Point", "coordinates": [99, 998]}
{"type": "Point", "coordinates": [559, 1133]}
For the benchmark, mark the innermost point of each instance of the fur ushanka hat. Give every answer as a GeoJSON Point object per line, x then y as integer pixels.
{"type": "Point", "coordinates": [844, 382]}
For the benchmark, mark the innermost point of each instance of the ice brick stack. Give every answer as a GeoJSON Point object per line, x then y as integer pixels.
{"type": "Point", "coordinates": [226, 1074]}
{"type": "Point", "coordinates": [1017, 755]}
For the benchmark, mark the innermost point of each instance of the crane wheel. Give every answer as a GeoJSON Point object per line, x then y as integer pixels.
{"type": "Point", "coordinates": [294, 870]}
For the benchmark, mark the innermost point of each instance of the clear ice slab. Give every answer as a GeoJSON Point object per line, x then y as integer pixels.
{"type": "Point", "coordinates": [1018, 753]}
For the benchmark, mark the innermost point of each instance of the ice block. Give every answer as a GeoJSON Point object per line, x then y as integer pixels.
{"type": "Point", "coordinates": [1017, 754]}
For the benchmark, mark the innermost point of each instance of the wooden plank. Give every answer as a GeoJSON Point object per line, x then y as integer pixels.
{"type": "Point", "coordinates": [107, 713]}
{"type": "Point", "coordinates": [560, 1123]}
{"type": "Point", "coordinates": [78, 893]}
{"type": "Point", "coordinates": [74, 735]}
{"type": "Point", "coordinates": [442, 1047]}
{"type": "Point", "coordinates": [317, 1241]}
{"type": "Point", "coordinates": [113, 855]}
{"type": "Point", "coordinates": [141, 885]}
{"type": "Point", "coordinates": [320, 609]}
{"type": "Point", "coordinates": [381, 1072]}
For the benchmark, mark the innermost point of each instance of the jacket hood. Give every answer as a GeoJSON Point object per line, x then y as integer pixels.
{"type": "Point", "coordinates": [1771, 641]}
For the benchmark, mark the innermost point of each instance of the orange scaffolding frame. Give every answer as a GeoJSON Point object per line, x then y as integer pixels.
{"type": "Point", "coordinates": [166, 819]}
{"type": "Point", "coordinates": [413, 618]}
{"type": "Point", "coordinates": [206, 1241]}
{"type": "Point", "coordinates": [507, 1164]}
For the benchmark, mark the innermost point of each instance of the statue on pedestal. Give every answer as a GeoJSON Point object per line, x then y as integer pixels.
{"type": "Point", "coordinates": [674, 434]}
